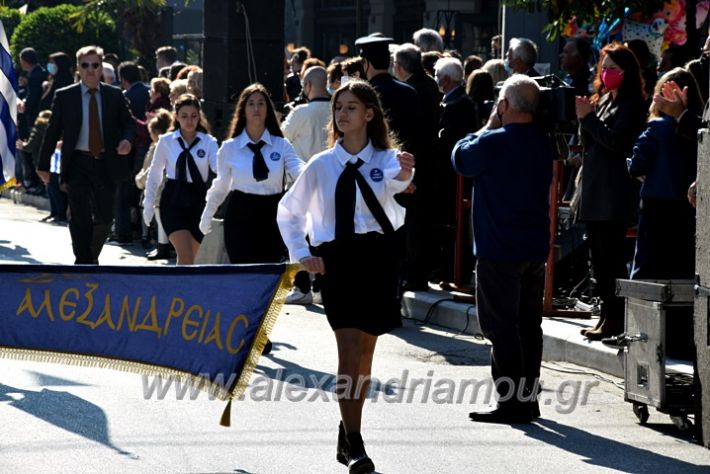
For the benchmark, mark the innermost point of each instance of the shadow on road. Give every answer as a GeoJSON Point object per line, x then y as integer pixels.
{"type": "Point", "coordinates": [15, 253]}
{"type": "Point", "coordinates": [455, 351]}
{"type": "Point", "coordinates": [64, 410]}
{"type": "Point", "coordinates": [605, 452]}
{"type": "Point", "coordinates": [294, 374]}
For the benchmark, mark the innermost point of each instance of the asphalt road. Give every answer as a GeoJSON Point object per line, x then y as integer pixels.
{"type": "Point", "coordinates": [63, 419]}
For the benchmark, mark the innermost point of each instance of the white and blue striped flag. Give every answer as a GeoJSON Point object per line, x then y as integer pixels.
{"type": "Point", "coordinates": [8, 113]}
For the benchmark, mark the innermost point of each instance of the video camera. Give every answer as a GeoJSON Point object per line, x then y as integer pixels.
{"type": "Point", "coordinates": [556, 111]}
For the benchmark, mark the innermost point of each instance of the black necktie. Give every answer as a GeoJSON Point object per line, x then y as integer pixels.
{"type": "Point", "coordinates": [185, 161]}
{"type": "Point", "coordinates": [345, 201]}
{"type": "Point", "coordinates": [259, 168]}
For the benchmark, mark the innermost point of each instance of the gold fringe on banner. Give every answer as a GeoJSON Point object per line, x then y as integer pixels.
{"type": "Point", "coordinates": [267, 325]}
{"type": "Point", "coordinates": [84, 360]}
{"type": "Point", "coordinates": [201, 383]}
{"type": "Point", "coordinates": [8, 184]}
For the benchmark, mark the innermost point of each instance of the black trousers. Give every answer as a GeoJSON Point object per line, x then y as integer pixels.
{"type": "Point", "coordinates": [665, 246]}
{"type": "Point", "coordinates": [607, 244]}
{"type": "Point", "coordinates": [90, 193]}
{"type": "Point", "coordinates": [509, 304]}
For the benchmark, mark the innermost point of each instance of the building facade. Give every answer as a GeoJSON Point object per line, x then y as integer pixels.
{"type": "Point", "coordinates": [330, 27]}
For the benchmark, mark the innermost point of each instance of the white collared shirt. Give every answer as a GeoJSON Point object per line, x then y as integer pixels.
{"type": "Point", "coordinates": [167, 151]}
{"type": "Point", "coordinates": [235, 168]}
{"type": "Point", "coordinates": [82, 141]}
{"type": "Point", "coordinates": [308, 208]}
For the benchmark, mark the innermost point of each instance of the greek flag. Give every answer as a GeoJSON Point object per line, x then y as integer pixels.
{"type": "Point", "coordinates": [8, 113]}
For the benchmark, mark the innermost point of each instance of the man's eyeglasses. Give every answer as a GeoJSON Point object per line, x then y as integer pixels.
{"type": "Point", "coordinates": [92, 65]}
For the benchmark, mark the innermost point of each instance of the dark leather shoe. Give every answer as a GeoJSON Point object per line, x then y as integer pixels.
{"type": "Point", "coordinates": [504, 415]}
{"type": "Point", "coordinates": [342, 453]}
{"type": "Point", "coordinates": [359, 462]}
{"type": "Point", "coordinates": [162, 251]}
{"type": "Point", "coordinates": [534, 409]}
{"type": "Point", "coordinates": [267, 347]}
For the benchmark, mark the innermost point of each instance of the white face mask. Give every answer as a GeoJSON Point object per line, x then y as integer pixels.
{"type": "Point", "coordinates": [344, 80]}
{"type": "Point", "coordinates": [506, 65]}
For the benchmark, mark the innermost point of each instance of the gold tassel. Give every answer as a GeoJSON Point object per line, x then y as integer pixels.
{"type": "Point", "coordinates": [227, 415]}
{"type": "Point", "coordinates": [8, 184]}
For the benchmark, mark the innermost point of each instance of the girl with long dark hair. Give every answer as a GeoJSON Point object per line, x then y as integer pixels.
{"type": "Point", "coordinates": [338, 220]}
{"type": "Point", "coordinates": [253, 167]}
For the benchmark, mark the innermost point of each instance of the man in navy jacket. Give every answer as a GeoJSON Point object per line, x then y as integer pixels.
{"type": "Point", "coordinates": [511, 164]}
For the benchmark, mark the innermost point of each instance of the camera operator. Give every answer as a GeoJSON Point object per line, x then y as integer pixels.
{"type": "Point", "coordinates": [511, 164]}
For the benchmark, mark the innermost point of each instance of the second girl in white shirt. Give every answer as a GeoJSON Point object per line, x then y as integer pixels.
{"type": "Point", "coordinates": [253, 167]}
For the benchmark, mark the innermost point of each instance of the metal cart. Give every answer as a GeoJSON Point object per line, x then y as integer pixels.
{"type": "Point", "coordinates": [659, 348]}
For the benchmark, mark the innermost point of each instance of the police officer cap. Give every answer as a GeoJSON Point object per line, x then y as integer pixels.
{"type": "Point", "coordinates": [373, 45]}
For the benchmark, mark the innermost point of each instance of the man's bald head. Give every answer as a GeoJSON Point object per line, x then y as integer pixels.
{"type": "Point", "coordinates": [314, 82]}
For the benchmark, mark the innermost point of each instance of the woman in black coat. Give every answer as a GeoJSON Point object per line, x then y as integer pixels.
{"type": "Point", "coordinates": [610, 122]}
{"type": "Point", "coordinates": [59, 68]}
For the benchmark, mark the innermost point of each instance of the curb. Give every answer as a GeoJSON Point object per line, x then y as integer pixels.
{"type": "Point", "coordinates": [561, 338]}
{"type": "Point", "coordinates": [20, 197]}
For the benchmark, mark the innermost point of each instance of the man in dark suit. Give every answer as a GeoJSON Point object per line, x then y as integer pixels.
{"type": "Point", "coordinates": [457, 118]}
{"type": "Point", "coordinates": [422, 211]}
{"type": "Point", "coordinates": [521, 57]}
{"type": "Point", "coordinates": [135, 91]}
{"type": "Point", "coordinates": [96, 128]}
{"type": "Point", "coordinates": [404, 117]}
{"type": "Point", "coordinates": [126, 192]}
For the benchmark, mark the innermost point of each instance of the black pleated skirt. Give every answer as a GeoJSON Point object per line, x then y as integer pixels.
{"type": "Point", "coordinates": [251, 234]}
{"type": "Point", "coordinates": [181, 206]}
{"type": "Point", "coordinates": [360, 287]}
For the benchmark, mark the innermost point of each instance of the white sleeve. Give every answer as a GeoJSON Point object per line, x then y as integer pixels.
{"type": "Point", "coordinates": [291, 214]}
{"type": "Point", "coordinates": [155, 172]}
{"type": "Point", "coordinates": [392, 169]}
{"type": "Point", "coordinates": [213, 155]}
{"type": "Point", "coordinates": [292, 162]}
{"type": "Point", "coordinates": [221, 184]}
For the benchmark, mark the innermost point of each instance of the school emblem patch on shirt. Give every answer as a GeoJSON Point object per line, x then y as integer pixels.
{"type": "Point", "coordinates": [275, 156]}
{"type": "Point", "coordinates": [201, 153]}
{"type": "Point", "coordinates": [376, 175]}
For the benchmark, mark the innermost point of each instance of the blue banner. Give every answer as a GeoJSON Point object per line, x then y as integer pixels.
{"type": "Point", "coordinates": [206, 324]}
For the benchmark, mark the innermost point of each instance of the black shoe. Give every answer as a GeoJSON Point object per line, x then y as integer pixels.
{"type": "Point", "coordinates": [46, 218]}
{"type": "Point", "coordinates": [162, 251]}
{"type": "Point", "coordinates": [503, 414]}
{"type": "Point", "coordinates": [267, 347]}
{"type": "Point", "coordinates": [358, 460]}
{"type": "Point", "coordinates": [342, 453]}
{"type": "Point", "coordinates": [534, 409]}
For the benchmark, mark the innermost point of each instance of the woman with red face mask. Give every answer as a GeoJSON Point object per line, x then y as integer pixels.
{"type": "Point", "coordinates": [610, 121]}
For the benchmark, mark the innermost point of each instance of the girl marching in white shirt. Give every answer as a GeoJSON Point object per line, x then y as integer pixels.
{"type": "Point", "coordinates": [253, 166]}
{"type": "Point", "coordinates": [344, 202]}
{"type": "Point", "coordinates": [186, 155]}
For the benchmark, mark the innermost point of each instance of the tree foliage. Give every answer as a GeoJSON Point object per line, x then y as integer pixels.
{"type": "Point", "coordinates": [562, 11]}
{"type": "Point", "coordinates": [10, 17]}
{"type": "Point", "coordinates": [48, 30]}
